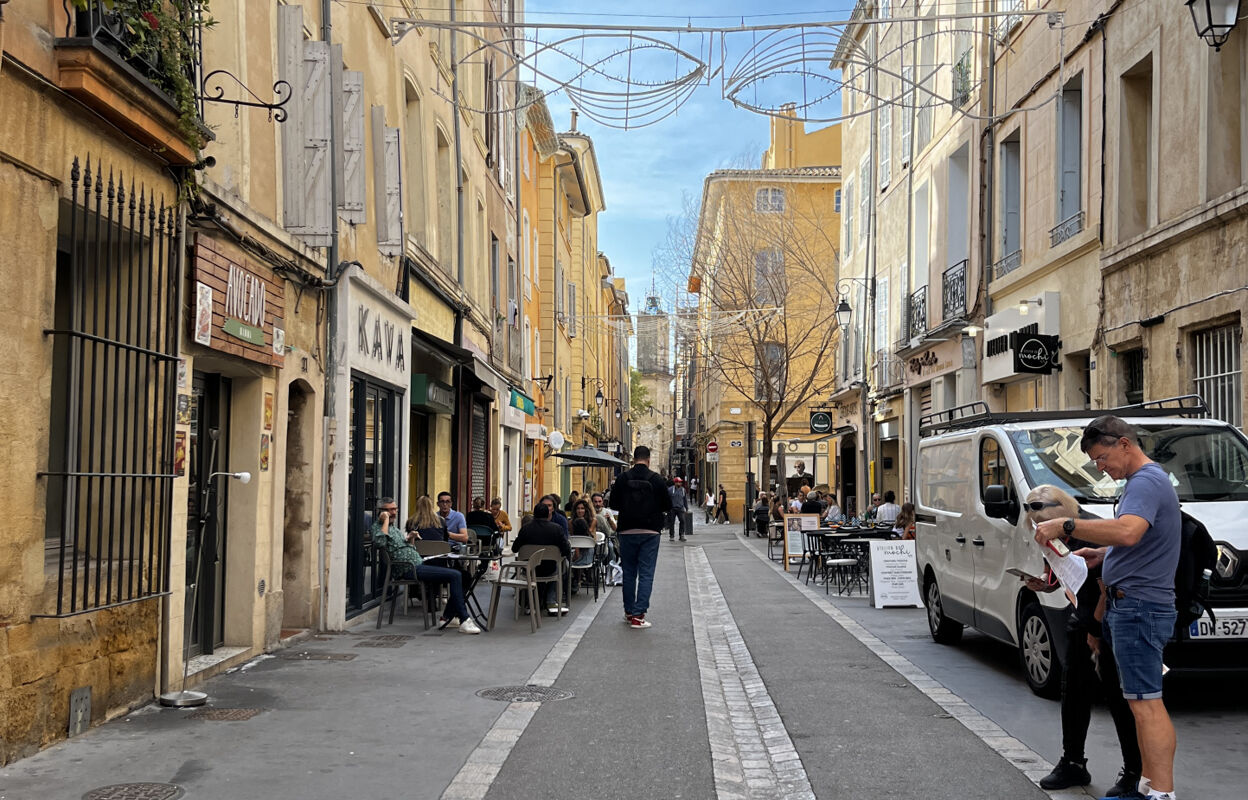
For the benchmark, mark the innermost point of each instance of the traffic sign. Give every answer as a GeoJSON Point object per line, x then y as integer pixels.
{"type": "Point", "coordinates": [712, 457]}
{"type": "Point", "coordinates": [712, 447]}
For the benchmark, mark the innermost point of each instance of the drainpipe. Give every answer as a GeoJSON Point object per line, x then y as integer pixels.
{"type": "Point", "coordinates": [331, 340]}
{"type": "Point", "coordinates": [459, 172]}
{"type": "Point", "coordinates": [868, 313]}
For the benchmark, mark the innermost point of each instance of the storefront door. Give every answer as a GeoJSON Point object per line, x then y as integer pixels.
{"type": "Point", "coordinates": [207, 497]}
{"type": "Point", "coordinates": [372, 475]}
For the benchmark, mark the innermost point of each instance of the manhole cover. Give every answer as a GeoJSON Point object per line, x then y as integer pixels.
{"type": "Point", "coordinates": [224, 714]}
{"type": "Point", "coordinates": [525, 694]}
{"type": "Point", "coordinates": [135, 791]}
{"type": "Point", "coordinates": [375, 643]}
{"type": "Point", "coordinates": [392, 637]}
{"type": "Point", "coordinates": [303, 655]}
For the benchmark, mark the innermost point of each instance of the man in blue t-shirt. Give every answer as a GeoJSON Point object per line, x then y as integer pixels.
{"type": "Point", "coordinates": [1140, 555]}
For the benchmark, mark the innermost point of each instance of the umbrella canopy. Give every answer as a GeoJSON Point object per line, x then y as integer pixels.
{"type": "Point", "coordinates": [587, 456]}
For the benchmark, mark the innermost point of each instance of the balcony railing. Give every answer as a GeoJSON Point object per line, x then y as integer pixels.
{"type": "Point", "coordinates": [1007, 264]}
{"type": "Point", "coordinates": [953, 291]}
{"type": "Point", "coordinates": [1066, 229]}
{"type": "Point", "coordinates": [130, 30]}
{"type": "Point", "coordinates": [962, 80]}
{"type": "Point", "coordinates": [918, 312]}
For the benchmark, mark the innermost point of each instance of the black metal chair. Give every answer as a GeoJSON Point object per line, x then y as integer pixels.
{"type": "Point", "coordinates": [392, 587]}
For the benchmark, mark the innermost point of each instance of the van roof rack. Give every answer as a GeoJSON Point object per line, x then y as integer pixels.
{"type": "Point", "coordinates": [973, 415]}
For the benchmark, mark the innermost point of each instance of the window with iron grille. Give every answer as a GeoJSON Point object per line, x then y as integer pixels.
{"type": "Point", "coordinates": [769, 277]}
{"type": "Point", "coordinates": [769, 201]}
{"type": "Point", "coordinates": [109, 482]}
{"type": "Point", "coordinates": [1132, 376]}
{"type": "Point", "coordinates": [1218, 372]}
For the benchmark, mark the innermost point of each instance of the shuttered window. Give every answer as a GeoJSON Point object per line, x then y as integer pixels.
{"type": "Point", "coordinates": [571, 309]}
{"type": "Point", "coordinates": [1219, 371]}
{"type": "Point", "coordinates": [306, 158]}
{"type": "Point", "coordinates": [386, 184]}
{"type": "Point", "coordinates": [352, 98]}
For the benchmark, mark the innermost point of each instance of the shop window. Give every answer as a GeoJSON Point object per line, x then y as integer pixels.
{"type": "Point", "coordinates": [1132, 376]}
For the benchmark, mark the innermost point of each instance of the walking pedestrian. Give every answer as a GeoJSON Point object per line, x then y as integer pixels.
{"type": "Point", "coordinates": [642, 500]}
{"type": "Point", "coordinates": [679, 505]}
{"type": "Point", "coordinates": [1082, 677]}
{"type": "Point", "coordinates": [709, 505]}
{"type": "Point", "coordinates": [721, 510]}
{"type": "Point", "coordinates": [1140, 551]}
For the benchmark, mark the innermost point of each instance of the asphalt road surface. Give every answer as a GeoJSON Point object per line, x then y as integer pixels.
{"type": "Point", "coordinates": [749, 685]}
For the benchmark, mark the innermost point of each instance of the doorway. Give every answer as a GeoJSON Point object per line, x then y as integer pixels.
{"type": "Point", "coordinates": [298, 574]}
{"type": "Point", "coordinates": [371, 476]}
{"type": "Point", "coordinates": [847, 465]}
{"type": "Point", "coordinates": [208, 452]}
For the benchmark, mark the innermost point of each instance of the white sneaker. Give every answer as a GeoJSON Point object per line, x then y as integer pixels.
{"type": "Point", "coordinates": [453, 622]}
{"type": "Point", "coordinates": [468, 626]}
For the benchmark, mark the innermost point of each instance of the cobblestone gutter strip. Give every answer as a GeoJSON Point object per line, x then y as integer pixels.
{"type": "Point", "coordinates": [478, 773]}
{"type": "Point", "coordinates": [1026, 760]}
{"type": "Point", "coordinates": [752, 753]}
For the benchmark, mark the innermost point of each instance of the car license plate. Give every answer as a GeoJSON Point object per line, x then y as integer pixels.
{"type": "Point", "coordinates": [1223, 628]}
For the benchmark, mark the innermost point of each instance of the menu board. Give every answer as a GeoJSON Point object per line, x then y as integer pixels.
{"type": "Point", "coordinates": [794, 524]}
{"type": "Point", "coordinates": [894, 575]}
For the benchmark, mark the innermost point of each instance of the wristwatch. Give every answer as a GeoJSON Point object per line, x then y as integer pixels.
{"type": "Point", "coordinates": [1068, 527]}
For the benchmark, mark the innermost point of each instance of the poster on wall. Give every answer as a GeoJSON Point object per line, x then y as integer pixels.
{"type": "Point", "coordinates": [264, 452]}
{"type": "Point", "coordinates": [179, 453]}
{"type": "Point", "coordinates": [184, 409]}
{"type": "Point", "coordinates": [203, 314]}
{"type": "Point", "coordinates": [182, 384]}
{"type": "Point", "coordinates": [268, 411]}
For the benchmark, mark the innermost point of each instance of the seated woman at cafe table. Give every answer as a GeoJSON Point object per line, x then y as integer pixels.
{"type": "Point", "coordinates": [584, 523]}
{"type": "Point", "coordinates": [903, 526]}
{"type": "Point", "coordinates": [500, 516]}
{"type": "Point", "coordinates": [833, 513]}
{"type": "Point", "coordinates": [407, 564]}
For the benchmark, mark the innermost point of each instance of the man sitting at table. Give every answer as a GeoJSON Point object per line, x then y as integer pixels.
{"type": "Point", "coordinates": [542, 531]}
{"type": "Point", "coordinates": [810, 502]}
{"type": "Point", "coordinates": [406, 564]}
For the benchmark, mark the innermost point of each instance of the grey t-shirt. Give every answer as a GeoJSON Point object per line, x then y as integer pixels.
{"type": "Point", "coordinates": [1146, 570]}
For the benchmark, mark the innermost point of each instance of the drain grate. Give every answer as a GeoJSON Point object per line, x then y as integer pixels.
{"type": "Point", "coordinates": [225, 714]}
{"type": "Point", "coordinates": [375, 643]}
{"type": "Point", "coordinates": [303, 655]}
{"type": "Point", "coordinates": [135, 791]}
{"type": "Point", "coordinates": [392, 637]}
{"type": "Point", "coordinates": [525, 694]}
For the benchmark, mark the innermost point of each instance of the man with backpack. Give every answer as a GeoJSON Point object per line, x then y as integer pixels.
{"type": "Point", "coordinates": [642, 500]}
{"type": "Point", "coordinates": [1140, 553]}
{"type": "Point", "coordinates": [676, 492]}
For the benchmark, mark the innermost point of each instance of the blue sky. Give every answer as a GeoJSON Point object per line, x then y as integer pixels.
{"type": "Point", "coordinates": [646, 171]}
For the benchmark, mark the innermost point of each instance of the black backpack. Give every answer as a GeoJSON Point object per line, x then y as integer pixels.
{"type": "Point", "coordinates": [639, 499]}
{"type": "Point", "coordinates": [1197, 553]}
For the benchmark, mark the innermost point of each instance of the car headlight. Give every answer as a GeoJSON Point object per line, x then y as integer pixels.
{"type": "Point", "coordinates": [1228, 561]}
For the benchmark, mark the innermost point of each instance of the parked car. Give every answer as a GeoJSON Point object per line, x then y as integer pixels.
{"type": "Point", "coordinates": [973, 468]}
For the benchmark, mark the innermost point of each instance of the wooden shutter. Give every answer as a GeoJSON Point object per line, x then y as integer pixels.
{"type": "Point", "coordinates": [353, 147]}
{"type": "Point", "coordinates": [290, 69]}
{"type": "Point", "coordinates": [571, 309]}
{"type": "Point", "coordinates": [317, 160]}
{"type": "Point", "coordinates": [386, 184]}
{"type": "Point", "coordinates": [886, 145]}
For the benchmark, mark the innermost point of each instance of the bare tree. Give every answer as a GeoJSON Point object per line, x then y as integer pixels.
{"type": "Point", "coordinates": [767, 264]}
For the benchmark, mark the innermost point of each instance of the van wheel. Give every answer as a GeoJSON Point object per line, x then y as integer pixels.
{"type": "Point", "coordinates": [1038, 653]}
{"type": "Point", "coordinates": [944, 630]}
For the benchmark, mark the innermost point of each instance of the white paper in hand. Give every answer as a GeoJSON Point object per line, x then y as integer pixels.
{"type": "Point", "coordinates": [1070, 570]}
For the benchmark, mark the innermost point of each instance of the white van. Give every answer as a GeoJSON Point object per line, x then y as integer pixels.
{"type": "Point", "coordinates": [973, 469]}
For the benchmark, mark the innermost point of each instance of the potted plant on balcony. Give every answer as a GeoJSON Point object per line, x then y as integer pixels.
{"type": "Point", "coordinates": [161, 39]}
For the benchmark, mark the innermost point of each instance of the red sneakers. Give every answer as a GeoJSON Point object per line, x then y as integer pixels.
{"type": "Point", "coordinates": [637, 621]}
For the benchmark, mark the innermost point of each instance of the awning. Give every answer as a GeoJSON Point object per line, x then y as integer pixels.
{"type": "Point", "coordinates": [447, 353]}
{"type": "Point", "coordinates": [522, 401]}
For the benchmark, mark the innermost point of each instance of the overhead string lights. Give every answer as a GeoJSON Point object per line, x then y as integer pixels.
{"type": "Point", "coordinates": [632, 76]}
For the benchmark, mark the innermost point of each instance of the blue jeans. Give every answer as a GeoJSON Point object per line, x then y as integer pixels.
{"type": "Point", "coordinates": [453, 578]}
{"type": "Point", "coordinates": [638, 554]}
{"type": "Point", "coordinates": [1137, 632]}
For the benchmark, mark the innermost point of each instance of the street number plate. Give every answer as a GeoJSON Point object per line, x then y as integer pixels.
{"type": "Point", "coordinates": [1223, 628]}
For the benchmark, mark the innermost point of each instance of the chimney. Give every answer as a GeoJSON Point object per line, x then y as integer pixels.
{"type": "Point", "coordinates": [574, 115]}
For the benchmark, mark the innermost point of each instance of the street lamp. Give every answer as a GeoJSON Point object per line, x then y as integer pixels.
{"type": "Point", "coordinates": [1214, 19]}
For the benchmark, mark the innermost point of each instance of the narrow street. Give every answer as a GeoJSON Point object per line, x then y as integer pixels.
{"type": "Point", "coordinates": [748, 685]}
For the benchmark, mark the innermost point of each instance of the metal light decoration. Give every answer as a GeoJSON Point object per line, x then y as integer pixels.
{"type": "Point", "coordinates": [843, 313]}
{"type": "Point", "coordinates": [1214, 19]}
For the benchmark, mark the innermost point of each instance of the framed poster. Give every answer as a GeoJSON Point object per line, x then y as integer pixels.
{"type": "Point", "coordinates": [184, 409]}
{"type": "Point", "coordinates": [268, 411]}
{"type": "Point", "coordinates": [264, 452]}
{"type": "Point", "coordinates": [794, 526]}
{"type": "Point", "coordinates": [203, 314]}
{"type": "Point", "coordinates": [179, 453]}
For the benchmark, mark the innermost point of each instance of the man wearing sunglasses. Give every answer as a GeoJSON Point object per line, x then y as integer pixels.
{"type": "Point", "coordinates": [1140, 551]}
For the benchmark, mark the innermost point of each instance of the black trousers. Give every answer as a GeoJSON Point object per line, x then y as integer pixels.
{"type": "Point", "coordinates": [1081, 685]}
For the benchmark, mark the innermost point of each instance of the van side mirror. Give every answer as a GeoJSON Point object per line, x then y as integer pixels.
{"type": "Point", "coordinates": [999, 503]}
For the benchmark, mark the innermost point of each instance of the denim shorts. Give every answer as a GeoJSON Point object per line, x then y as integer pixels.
{"type": "Point", "coordinates": [1137, 632]}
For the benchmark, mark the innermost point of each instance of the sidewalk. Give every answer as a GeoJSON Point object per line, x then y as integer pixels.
{"type": "Point", "coordinates": [742, 683]}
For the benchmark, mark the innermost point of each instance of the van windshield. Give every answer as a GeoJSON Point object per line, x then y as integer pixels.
{"type": "Point", "coordinates": [1205, 463]}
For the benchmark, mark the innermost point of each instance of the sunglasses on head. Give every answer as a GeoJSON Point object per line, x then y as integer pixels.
{"type": "Point", "coordinates": [1037, 505]}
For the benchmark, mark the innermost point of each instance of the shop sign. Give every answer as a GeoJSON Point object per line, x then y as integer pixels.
{"type": "Point", "coordinates": [380, 339]}
{"type": "Point", "coordinates": [1035, 353]}
{"type": "Point", "coordinates": [431, 395]}
{"type": "Point", "coordinates": [820, 422]}
{"type": "Point", "coordinates": [1019, 346]}
{"type": "Point", "coordinates": [239, 303]}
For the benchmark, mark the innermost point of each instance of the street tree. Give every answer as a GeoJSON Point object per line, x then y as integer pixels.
{"type": "Point", "coordinates": [763, 254]}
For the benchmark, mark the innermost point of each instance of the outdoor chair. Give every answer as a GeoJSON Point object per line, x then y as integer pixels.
{"type": "Point", "coordinates": [396, 585]}
{"type": "Point", "coordinates": [429, 601]}
{"type": "Point", "coordinates": [520, 574]}
{"type": "Point", "coordinates": [552, 556]}
{"type": "Point", "coordinates": [586, 543]}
